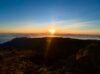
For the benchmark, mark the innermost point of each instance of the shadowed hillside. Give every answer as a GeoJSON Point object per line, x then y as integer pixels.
{"type": "Point", "coordinates": [50, 55]}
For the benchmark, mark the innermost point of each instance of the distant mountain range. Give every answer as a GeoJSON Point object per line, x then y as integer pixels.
{"type": "Point", "coordinates": [7, 37]}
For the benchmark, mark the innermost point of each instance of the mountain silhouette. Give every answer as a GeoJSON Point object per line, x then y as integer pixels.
{"type": "Point", "coordinates": [63, 55]}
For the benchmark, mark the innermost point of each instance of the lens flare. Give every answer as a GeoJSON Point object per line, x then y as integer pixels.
{"type": "Point", "coordinates": [52, 31]}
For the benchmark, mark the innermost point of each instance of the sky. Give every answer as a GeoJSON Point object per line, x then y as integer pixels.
{"type": "Point", "coordinates": [37, 16]}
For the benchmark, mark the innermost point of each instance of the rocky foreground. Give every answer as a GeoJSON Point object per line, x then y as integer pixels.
{"type": "Point", "coordinates": [50, 56]}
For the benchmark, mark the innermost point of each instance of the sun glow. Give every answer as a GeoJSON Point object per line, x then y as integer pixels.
{"type": "Point", "coordinates": [52, 31]}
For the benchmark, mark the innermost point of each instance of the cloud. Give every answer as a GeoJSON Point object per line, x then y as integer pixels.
{"type": "Point", "coordinates": [79, 24]}
{"type": "Point", "coordinates": [62, 26]}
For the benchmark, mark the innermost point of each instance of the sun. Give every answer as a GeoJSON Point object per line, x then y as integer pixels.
{"type": "Point", "coordinates": [52, 31]}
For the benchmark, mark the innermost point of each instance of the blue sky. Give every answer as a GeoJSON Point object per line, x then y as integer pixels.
{"type": "Point", "coordinates": [68, 15]}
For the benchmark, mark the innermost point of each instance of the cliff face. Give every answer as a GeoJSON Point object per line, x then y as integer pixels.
{"type": "Point", "coordinates": [63, 55]}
